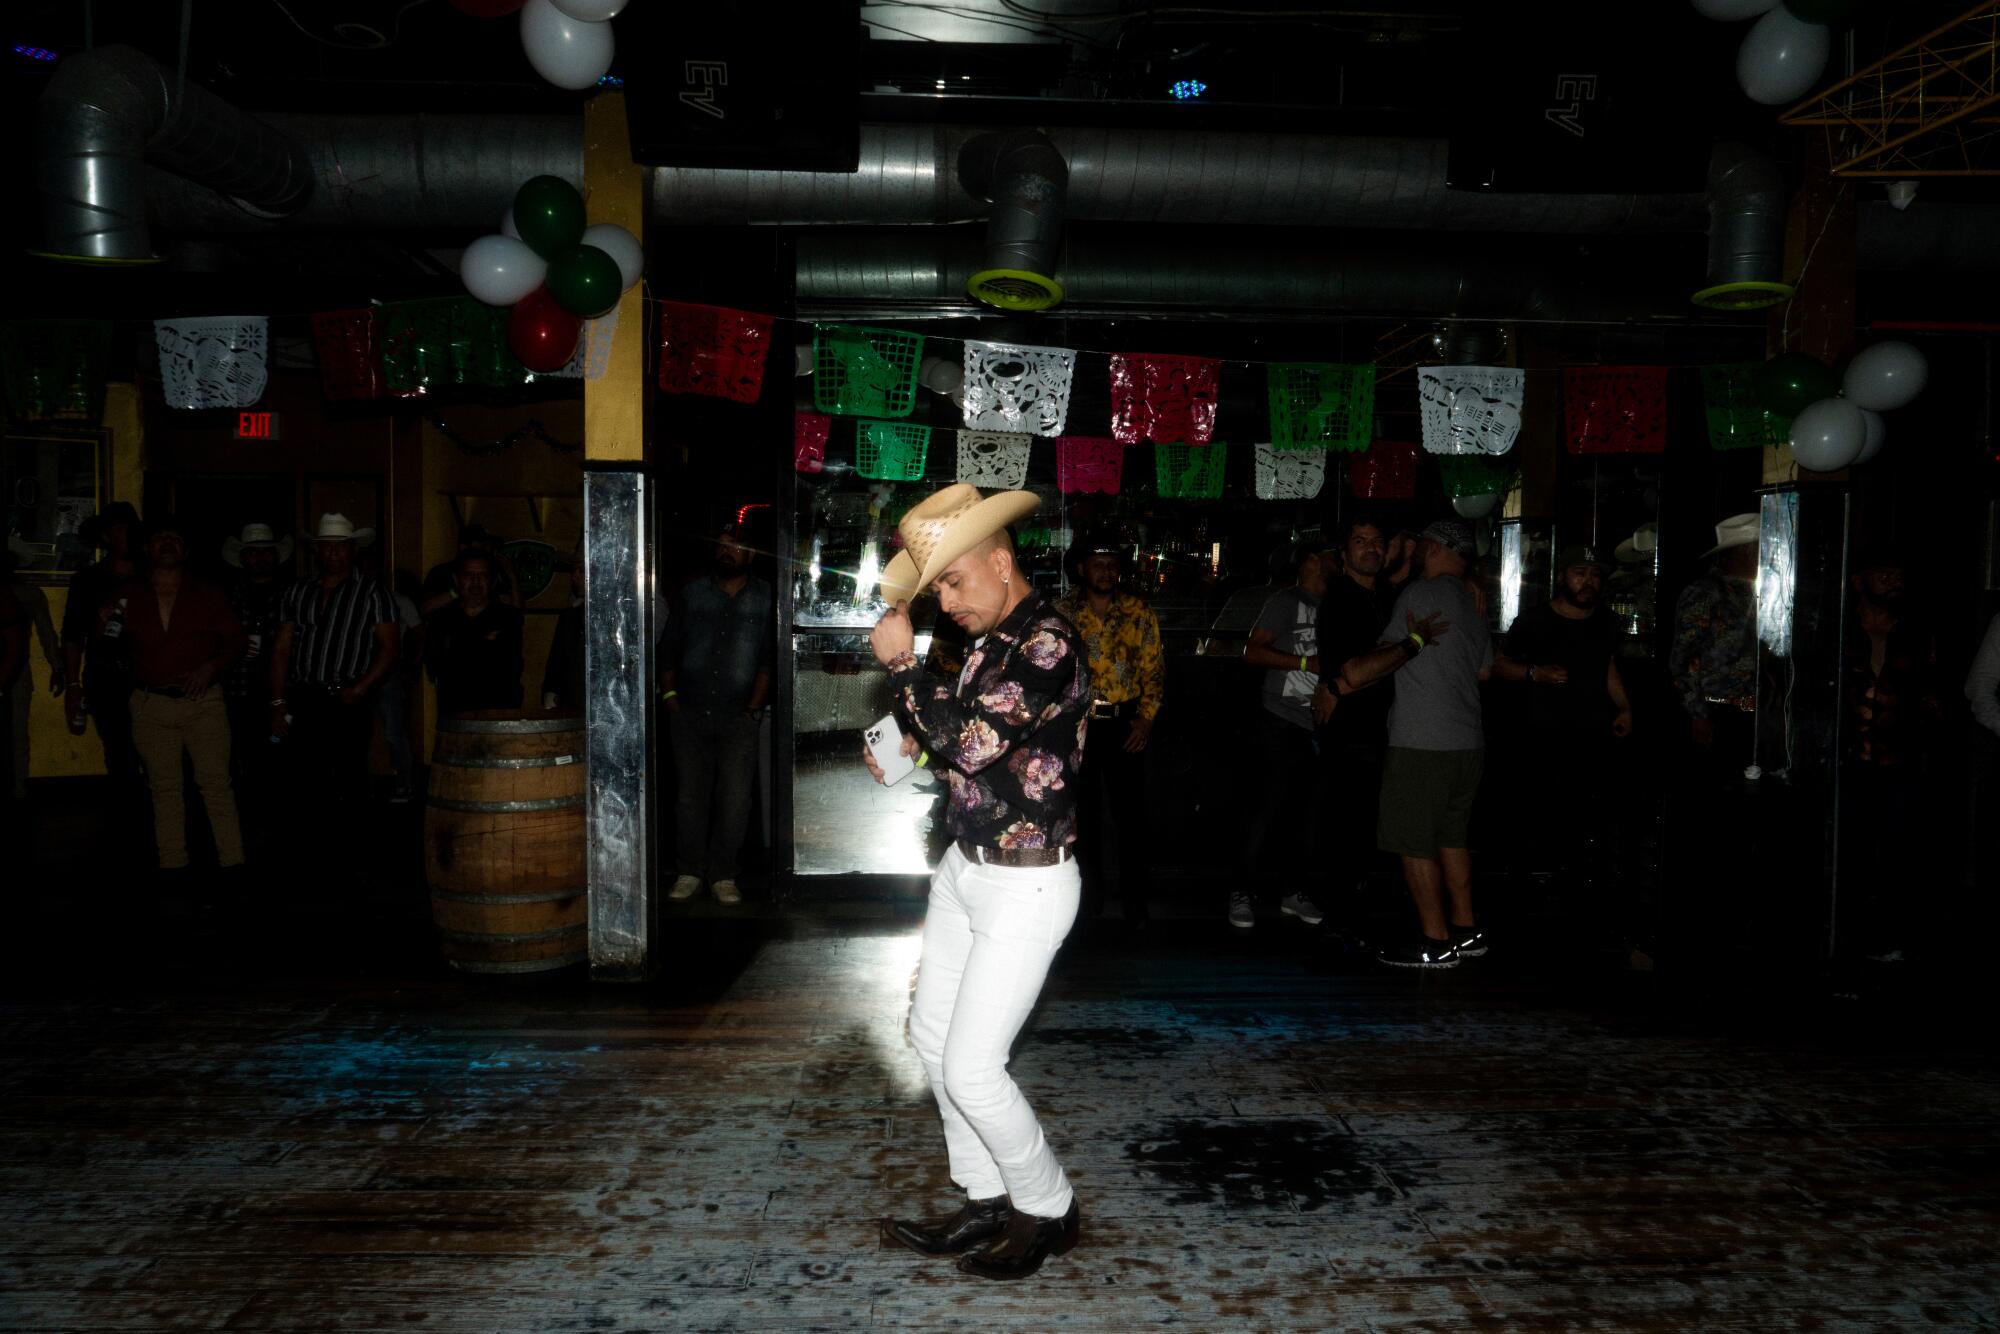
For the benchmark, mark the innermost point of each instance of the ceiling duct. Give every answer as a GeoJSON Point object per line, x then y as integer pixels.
{"type": "Point", "coordinates": [1116, 271]}
{"type": "Point", "coordinates": [1026, 180]}
{"type": "Point", "coordinates": [395, 173]}
{"type": "Point", "coordinates": [108, 111]}
{"type": "Point", "coordinates": [1746, 231]}
{"type": "Point", "coordinates": [1473, 345]}
{"type": "Point", "coordinates": [908, 175]}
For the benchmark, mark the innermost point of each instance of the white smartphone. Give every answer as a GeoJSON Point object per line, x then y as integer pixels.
{"type": "Point", "coordinates": [885, 743]}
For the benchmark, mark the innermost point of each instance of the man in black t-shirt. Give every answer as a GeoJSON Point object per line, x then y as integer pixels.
{"type": "Point", "coordinates": [1352, 729]}
{"type": "Point", "coordinates": [1566, 655]}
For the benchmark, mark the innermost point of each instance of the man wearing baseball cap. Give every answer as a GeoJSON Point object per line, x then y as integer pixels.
{"type": "Point", "coordinates": [1008, 734]}
{"type": "Point", "coordinates": [1437, 647]}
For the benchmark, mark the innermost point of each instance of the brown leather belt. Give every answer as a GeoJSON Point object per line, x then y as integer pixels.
{"type": "Point", "coordinates": [986, 856]}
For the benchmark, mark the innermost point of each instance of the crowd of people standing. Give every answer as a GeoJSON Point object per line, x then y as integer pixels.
{"type": "Point", "coordinates": [259, 694]}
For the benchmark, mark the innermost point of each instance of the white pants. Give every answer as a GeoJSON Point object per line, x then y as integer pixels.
{"type": "Point", "coordinates": [989, 938]}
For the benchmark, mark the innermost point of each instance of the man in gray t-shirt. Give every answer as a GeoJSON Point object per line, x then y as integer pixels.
{"type": "Point", "coordinates": [1284, 652]}
{"type": "Point", "coordinates": [1436, 644]}
{"type": "Point", "coordinates": [1437, 692]}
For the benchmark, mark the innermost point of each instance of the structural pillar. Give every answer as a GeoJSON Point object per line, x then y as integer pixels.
{"type": "Point", "coordinates": [1802, 577]}
{"type": "Point", "coordinates": [618, 588]}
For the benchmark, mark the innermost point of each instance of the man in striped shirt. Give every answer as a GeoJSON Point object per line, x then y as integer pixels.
{"type": "Point", "coordinates": [336, 643]}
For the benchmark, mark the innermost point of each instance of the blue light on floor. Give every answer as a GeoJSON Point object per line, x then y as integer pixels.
{"type": "Point", "coordinates": [1186, 90]}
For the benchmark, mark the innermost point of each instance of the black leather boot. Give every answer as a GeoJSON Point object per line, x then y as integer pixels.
{"type": "Point", "coordinates": [975, 1221]}
{"type": "Point", "coordinates": [1023, 1245]}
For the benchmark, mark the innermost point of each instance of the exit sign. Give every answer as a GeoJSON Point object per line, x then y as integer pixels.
{"type": "Point", "coordinates": [257, 426]}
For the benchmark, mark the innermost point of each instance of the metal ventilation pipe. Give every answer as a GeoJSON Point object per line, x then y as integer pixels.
{"type": "Point", "coordinates": [908, 176]}
{"type": "Point", "coordinates": [395, 173]}
{"type": "Point", "coordinates": [108, 112]}
{"type": "Point", "coordinates": [915, 271]}
{"type": "Point", "coordinates": [1474, 344]}
{"type": "Point", "coordinates": [1027, 181]}
{"type": "Point", "coordinates": [1746, 231]}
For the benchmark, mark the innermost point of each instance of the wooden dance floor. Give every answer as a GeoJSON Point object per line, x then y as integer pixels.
{"type": "Point", "coordinates": [1263, 1136]}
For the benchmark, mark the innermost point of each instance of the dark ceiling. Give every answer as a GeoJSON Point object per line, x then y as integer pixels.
{"type": "Point", "coordinates": [1454, 70]}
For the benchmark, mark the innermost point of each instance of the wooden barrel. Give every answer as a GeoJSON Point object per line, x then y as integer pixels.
{"type": "Point", "coordinates": [503, 841]}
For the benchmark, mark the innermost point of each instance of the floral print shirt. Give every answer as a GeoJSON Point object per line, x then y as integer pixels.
{"type": "Point", "coordinates": [1715, 642]}
{"type": "Point", "coordinates": [1010, 733]}
{"type": "Point", "coordinates": [1124, 649]}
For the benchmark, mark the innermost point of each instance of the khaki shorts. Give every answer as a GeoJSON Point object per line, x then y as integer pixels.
{"type": "Point", "coordinates": [1427, 800]}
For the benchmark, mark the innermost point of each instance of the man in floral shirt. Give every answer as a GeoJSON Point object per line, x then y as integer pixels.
{"type": "Point", "coordinates": [1714, 657]}
{"type": "Point", "coordinates": [1009, 734]}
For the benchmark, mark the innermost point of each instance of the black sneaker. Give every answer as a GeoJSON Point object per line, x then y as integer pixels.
{"type": "Point", "coordinates": [1423, 952]}
{"type": "Point", "coordinates": [1468, 942]}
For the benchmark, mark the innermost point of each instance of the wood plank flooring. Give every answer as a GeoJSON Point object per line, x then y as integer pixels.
{"type": "Point", "coordinates": [1262, 1134]}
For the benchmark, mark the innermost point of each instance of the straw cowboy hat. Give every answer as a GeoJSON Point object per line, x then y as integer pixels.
{"type": "Point", "coordinates": [941, 528]}
{"type": "Point", "coordinates": [340, 528]}
{"type": "Point", "coordinates": [255, 535]}
{"type": "Point", "coordinates": [1738, 530]}
{"type": "Point", "coordinates": [1640, 548]}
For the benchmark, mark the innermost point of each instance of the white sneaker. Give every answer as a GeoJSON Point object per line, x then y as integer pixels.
{"type": "Point", "coordinates": [1241, 914]}
{"type": "Point", "coordinates": [1303, 908]}
{"type": "Point", "coordinates": [726, 892]}
{"type": "Point", "coordinates": [686, 887]}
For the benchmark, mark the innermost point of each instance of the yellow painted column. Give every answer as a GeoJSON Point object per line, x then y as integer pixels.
{"type": "Point", "coordinates": [614, 190]}
{"type": "Point", "coordinates": [618, 592]}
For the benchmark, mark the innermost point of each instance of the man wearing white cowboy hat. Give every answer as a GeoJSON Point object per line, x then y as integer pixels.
{"type": "Point", "coordinates": [1714, 657]}
{"type": "Point", "coordinates": [336, 642]}
{"type": "Point", "coordinates": [1009, 736]}
{"type": "Point", "coordinates": [261, 556]}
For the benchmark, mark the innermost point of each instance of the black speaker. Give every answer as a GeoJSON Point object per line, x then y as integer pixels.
{"type": "Point", "coordinates": [1586, 99]}
{"type": "Point", "coordinates": [743, 83]}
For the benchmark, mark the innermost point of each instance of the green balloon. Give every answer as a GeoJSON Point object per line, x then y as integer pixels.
{"type": "Point", "coordinates": [548, 212]}
{"type": "Point", "coordinates": [584, 280]}
{"type": "Point", "coordinates": [1787, 383]}
{"type": "Point", "coordinates": [1833, 13]}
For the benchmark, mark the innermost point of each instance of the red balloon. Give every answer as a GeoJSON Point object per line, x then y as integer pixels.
{"type": "Point", "coordinates": [541, 333]}
{"type": "Point", "coordinates": [487, 9]}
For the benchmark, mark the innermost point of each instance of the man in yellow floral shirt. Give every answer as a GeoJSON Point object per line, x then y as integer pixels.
{"type": "Point", "coordinates": [1128, 679]}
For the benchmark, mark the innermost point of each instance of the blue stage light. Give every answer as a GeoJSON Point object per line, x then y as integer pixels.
{"type": "Point", "coordinates": [1186, 90]}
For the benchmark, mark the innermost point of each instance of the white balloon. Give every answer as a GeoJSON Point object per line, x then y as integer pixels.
{"type": "Point", "coordinates": [1781, 57]}
{"type": "Point", "coordinates": [500, 270]}
{"type": "Point", "coordinates": [590, 11]}
{"type": "Point", "coordinates": [1729, 11]}
{"type": "Point", "coordinates": [507, 227]}
{"type": "Point", "coordinates": [567, 53]}
{"type": "Point", "coordinates": [622, 246]}
{"type": "Point", "coordinates": [1476, 507]}
{"type": "Point", "coordinates": [1878, 431]}
{"type": "Point", "coordinates": [1828, 435]}
{"type": "Point", "coordinates": [1885, 377]}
